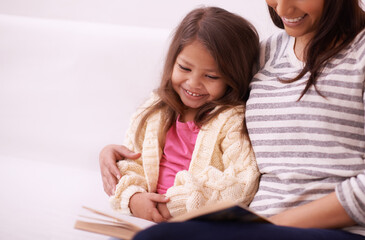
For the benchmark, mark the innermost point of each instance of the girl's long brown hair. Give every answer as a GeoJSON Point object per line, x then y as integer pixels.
{"type": "Point", "coordinates": [233, 43]}
{"type": "Point", "coordinates": [340, 23]}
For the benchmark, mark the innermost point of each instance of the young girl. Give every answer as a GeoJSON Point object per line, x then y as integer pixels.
{"type": "Point", "coordinates": [193, 143]}
{"type": "Point", "coordinates": [305, 118]}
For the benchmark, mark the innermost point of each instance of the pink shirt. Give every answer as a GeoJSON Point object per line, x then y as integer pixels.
{"type": "Point", "coordinates": [179, 147]}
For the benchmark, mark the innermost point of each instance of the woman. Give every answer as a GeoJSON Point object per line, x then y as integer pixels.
{"type": "Point", "coordinates": [305, 117]}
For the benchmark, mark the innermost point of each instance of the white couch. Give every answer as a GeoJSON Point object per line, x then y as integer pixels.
{"type": "Point", "coordinates": [66, 90]}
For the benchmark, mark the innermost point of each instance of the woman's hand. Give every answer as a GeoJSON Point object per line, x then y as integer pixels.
{"type": "Point", "coordinates": [325, 212]}
{"type": "Point", "coordinates": [108, 158]}
{"type": "Point", "coordinates": [144, 205]}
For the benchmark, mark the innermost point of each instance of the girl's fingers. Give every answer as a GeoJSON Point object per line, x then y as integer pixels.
{"type": "Point", "coordinates": [164, 211]}
{"type": "Point", "coordinates": [159, 198]}
{"type": "Point", "coordinates": [156, 216]}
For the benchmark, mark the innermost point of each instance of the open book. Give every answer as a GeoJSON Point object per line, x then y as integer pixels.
{"type": "Point", "coordinates": [120, 228]}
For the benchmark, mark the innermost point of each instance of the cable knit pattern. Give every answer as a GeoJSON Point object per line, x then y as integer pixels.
{"type": "Point", "coordinates": [222, 167]}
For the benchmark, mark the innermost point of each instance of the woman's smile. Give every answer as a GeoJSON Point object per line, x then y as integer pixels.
{"type": "Point", "coordinates": [293, 21]}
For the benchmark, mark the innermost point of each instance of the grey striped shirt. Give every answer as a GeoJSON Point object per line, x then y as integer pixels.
{"type": "Point", "coordinates": [309, 148]}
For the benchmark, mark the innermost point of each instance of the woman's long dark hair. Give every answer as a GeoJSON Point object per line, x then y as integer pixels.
{"type": "Point", "coordinates": [233, 43]}
{"type": "Point", "coordinates": [340, 23]}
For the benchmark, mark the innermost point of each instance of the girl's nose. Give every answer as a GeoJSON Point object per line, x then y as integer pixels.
{"type": "Point", "coordinates": [284, 8]}
{"type": "Point", "coordinates": [194, 81]}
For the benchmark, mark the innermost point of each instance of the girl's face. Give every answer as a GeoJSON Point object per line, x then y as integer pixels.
{"type": "Point", "coordinates": [195, 76]}
{"type": "Point", "coordinates": [300, 17]}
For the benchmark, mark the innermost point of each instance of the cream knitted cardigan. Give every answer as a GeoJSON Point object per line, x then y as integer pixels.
{"type": "Point", "coordinates": [223, 166]}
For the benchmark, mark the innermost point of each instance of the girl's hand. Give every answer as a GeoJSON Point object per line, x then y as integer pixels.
{"type": "Point", "coordinates": [108, 158]}
{"type": "Point", "coordinates": [164, 211]}
{"type": "Point", "coordinates": [144, 205]}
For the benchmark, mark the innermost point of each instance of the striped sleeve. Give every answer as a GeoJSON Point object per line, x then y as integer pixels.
{"type": "Point", "coordinates": [351, 192]}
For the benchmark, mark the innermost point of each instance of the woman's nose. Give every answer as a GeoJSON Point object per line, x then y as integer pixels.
{"type": "Point", "coordinates": [284, 8]}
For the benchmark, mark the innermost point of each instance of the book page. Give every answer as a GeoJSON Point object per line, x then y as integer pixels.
{"type": "Point", "coordinates": [111, 223]}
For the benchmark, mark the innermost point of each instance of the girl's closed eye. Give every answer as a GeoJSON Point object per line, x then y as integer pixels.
{"type": "Point", "coordinates": [184, 68]}
{"type": "Point", "coordinates": [212, 77]}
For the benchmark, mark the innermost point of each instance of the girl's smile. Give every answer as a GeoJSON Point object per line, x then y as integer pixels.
{"type": "Point", "coordinates": [195, 95]}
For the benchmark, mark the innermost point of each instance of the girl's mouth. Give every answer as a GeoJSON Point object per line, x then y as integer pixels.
{"type": "Point", "coordinates": [194, 94]}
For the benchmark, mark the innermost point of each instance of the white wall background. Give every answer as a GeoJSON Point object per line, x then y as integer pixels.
{"type": "Point", "coordinates": [145, 13]}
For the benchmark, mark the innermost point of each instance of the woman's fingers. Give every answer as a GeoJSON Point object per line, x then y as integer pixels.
{"type": "Point", "coordinates": [123, 152]}
{"type": "Point", "coordinates": [108, 158]}
{"type": "Point", "coordinates": [108, 168]}
{"type": "Point", "coordinates": [109, 181]}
